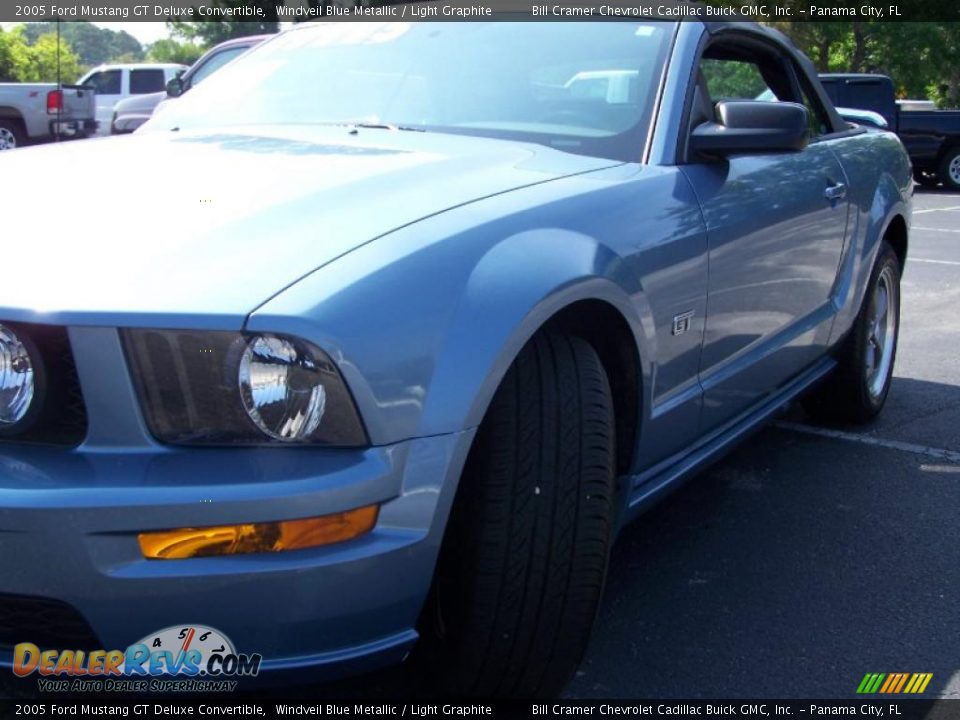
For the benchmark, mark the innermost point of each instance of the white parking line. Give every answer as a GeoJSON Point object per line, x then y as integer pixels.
{"type": "Point", "coordinates": [935, 262]}
{"type": "Point", "coordinates": [938, 453]}
{"type": "Point", "coordinates": [930, 210]}
{"type": "Point", "coordinates": [949, 230]}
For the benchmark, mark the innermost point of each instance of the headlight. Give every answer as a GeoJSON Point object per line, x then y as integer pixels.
{"type": "Point", "coordinates": [282, 388]}
{"type": "Point", "coordinates": [17, 380]}
{"type": "Point", "coordinates": [223, 388]}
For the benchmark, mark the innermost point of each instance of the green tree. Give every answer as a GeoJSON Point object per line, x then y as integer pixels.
{"type": "Point", "coordinates": [15, 58]}
{"type": "Point", "coordinates": [37, 62]}
{"type": "Point", "coordinates": [174, 51]}
{"type": "Point", "coordinates": [211, 32]}
{"type": "Point", "coordinates": [6, 57]}
{"type": "Point", "coordinates": [819, 40]}
{"type": "Point", "coordinates": [732, 79]}
{"type": "Point", "coordinates": [920, 57]}
{"type": "Point", "coordinates": [93, 45]}
{"type": "Point", "coordinates": [945, 89]}
{"type": "Point", "coordinates": [47, 65]}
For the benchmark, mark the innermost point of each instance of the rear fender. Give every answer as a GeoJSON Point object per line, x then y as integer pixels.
{"type": "Point", "coordinates": [877, 199]}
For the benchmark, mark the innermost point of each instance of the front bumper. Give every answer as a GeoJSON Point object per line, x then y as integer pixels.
{"type": "Point", "coordinates": [125, 124]}
{"type": "Point", "coordinates": [69, 520]}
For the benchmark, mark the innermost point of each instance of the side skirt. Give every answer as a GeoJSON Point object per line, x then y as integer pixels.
{"type": "Point", "coordinates": [653, 484]}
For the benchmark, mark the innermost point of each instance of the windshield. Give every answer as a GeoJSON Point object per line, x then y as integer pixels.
{"type": "Point", "coordinates": [586, 88]}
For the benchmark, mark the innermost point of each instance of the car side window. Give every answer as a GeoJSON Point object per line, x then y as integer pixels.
{"type": "Point", "coordinates": [735, 80]}
{"type": "Point", "coordinates": [866, 94]}
{"type": "Point", "coordinates": [146, 81]}
{"type": "Point", "coordinates": [106, 82]}
{"type": "Point", "coordinates": [215, 63]}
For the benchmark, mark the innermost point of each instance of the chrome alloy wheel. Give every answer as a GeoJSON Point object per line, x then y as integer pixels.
{"type": "Point", "coordinates": [881, 333]}
{"type": "Point", "coordinates": [8, 141]}
{"type": "Point", "coordinates": [954, 169]}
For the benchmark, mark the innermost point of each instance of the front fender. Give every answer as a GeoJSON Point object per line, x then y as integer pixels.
{"type": "Point", "coordinates": [514, 290]}
{"type": "Point", "coordinates": [424, 323]}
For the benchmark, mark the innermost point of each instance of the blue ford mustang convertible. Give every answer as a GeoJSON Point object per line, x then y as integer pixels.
{"type": "Point", "coordinates": [367, 348]}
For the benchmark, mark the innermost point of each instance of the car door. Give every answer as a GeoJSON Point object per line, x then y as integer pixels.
{"type": "Point", "coordinates": [108, 85]}
{"type": "Point", "coordinates": [776, 227]}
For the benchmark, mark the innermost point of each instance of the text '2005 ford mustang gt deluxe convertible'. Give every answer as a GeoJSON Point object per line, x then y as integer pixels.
{"type": "Point", "coordinates": [415, 317]}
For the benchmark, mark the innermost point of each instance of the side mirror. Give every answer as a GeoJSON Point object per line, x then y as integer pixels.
{"type": "Point", "coordinates": [750, 127]}
{"type": "Point", "coordinates": [175, 87]}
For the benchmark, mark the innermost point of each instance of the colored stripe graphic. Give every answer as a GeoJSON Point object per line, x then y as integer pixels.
{"type": "Point", "coordinates": [903, 681]}
{"type": "Point", "coordinates": [894, 683]}
{"type": "Point", "coordinates": [870, 683]}
{"type": "Point", "coordinates": [918, 683]}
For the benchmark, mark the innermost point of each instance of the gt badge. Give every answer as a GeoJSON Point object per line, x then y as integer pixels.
{"type": "Point", "coordinates": [681, 322]}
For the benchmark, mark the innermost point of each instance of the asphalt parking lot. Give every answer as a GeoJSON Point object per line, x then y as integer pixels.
{"type": "Point", "coordinates": [803, 561]}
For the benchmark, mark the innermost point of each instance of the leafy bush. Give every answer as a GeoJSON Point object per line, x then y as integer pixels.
{"type": "Point", "coordinates": [21, 61]}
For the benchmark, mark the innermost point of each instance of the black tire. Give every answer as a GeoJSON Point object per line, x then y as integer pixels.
{"type": "Point", "coordinates": [524, 560]}
{"type": "Point", "coordinates": [848, 395]}
{"type": "Point", "coordinates": [949, 171]}
{"type": "Point", "coordinates": [11, 136]}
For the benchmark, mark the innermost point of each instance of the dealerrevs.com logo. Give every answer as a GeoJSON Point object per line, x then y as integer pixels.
{"type": "Point", "coordinates": [181, 658]}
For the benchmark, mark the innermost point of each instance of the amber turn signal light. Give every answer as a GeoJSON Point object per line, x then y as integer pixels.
{"type": "Point", "coordinates": [257, 537]}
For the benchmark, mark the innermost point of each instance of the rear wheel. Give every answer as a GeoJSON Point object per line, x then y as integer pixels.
{"type": "Point", "coordinates": [858, 388]}
{"type": "Point", "coordinates": [950, 168]}
{"type": "Point", "coordinates": [525, 556]}
{"type": "Point", "coordinates": [10, 136]}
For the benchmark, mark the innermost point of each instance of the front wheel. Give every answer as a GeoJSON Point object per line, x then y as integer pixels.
{"type": "Point", "coordinates": [10, 137]}
{"type": "Point", "coordinates": [858, 388]}
{"type": "Point", "coordinates": [525, 554]}
{"type": "Point", "coordinates": [950, 169]}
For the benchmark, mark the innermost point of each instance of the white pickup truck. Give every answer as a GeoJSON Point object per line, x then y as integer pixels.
{"type": "Point", "coordinates": [114, 83]}
{"type": "Point", "coordinates": [39, 112]}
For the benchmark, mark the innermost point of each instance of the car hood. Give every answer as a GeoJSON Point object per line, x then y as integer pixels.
{"type": "Point", "coordinates": [198, 229]}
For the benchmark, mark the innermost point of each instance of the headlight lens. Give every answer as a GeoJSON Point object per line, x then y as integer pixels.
{"type": "Point", "coordinates": [16, 379]}
{"type": "Point", "coordinates": [282, 388]}
{"type": "Point", "coordinates": [221, 388]}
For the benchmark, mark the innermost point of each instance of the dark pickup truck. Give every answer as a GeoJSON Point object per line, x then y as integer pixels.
{"type": "Point", "coordinates": [932, 137]}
